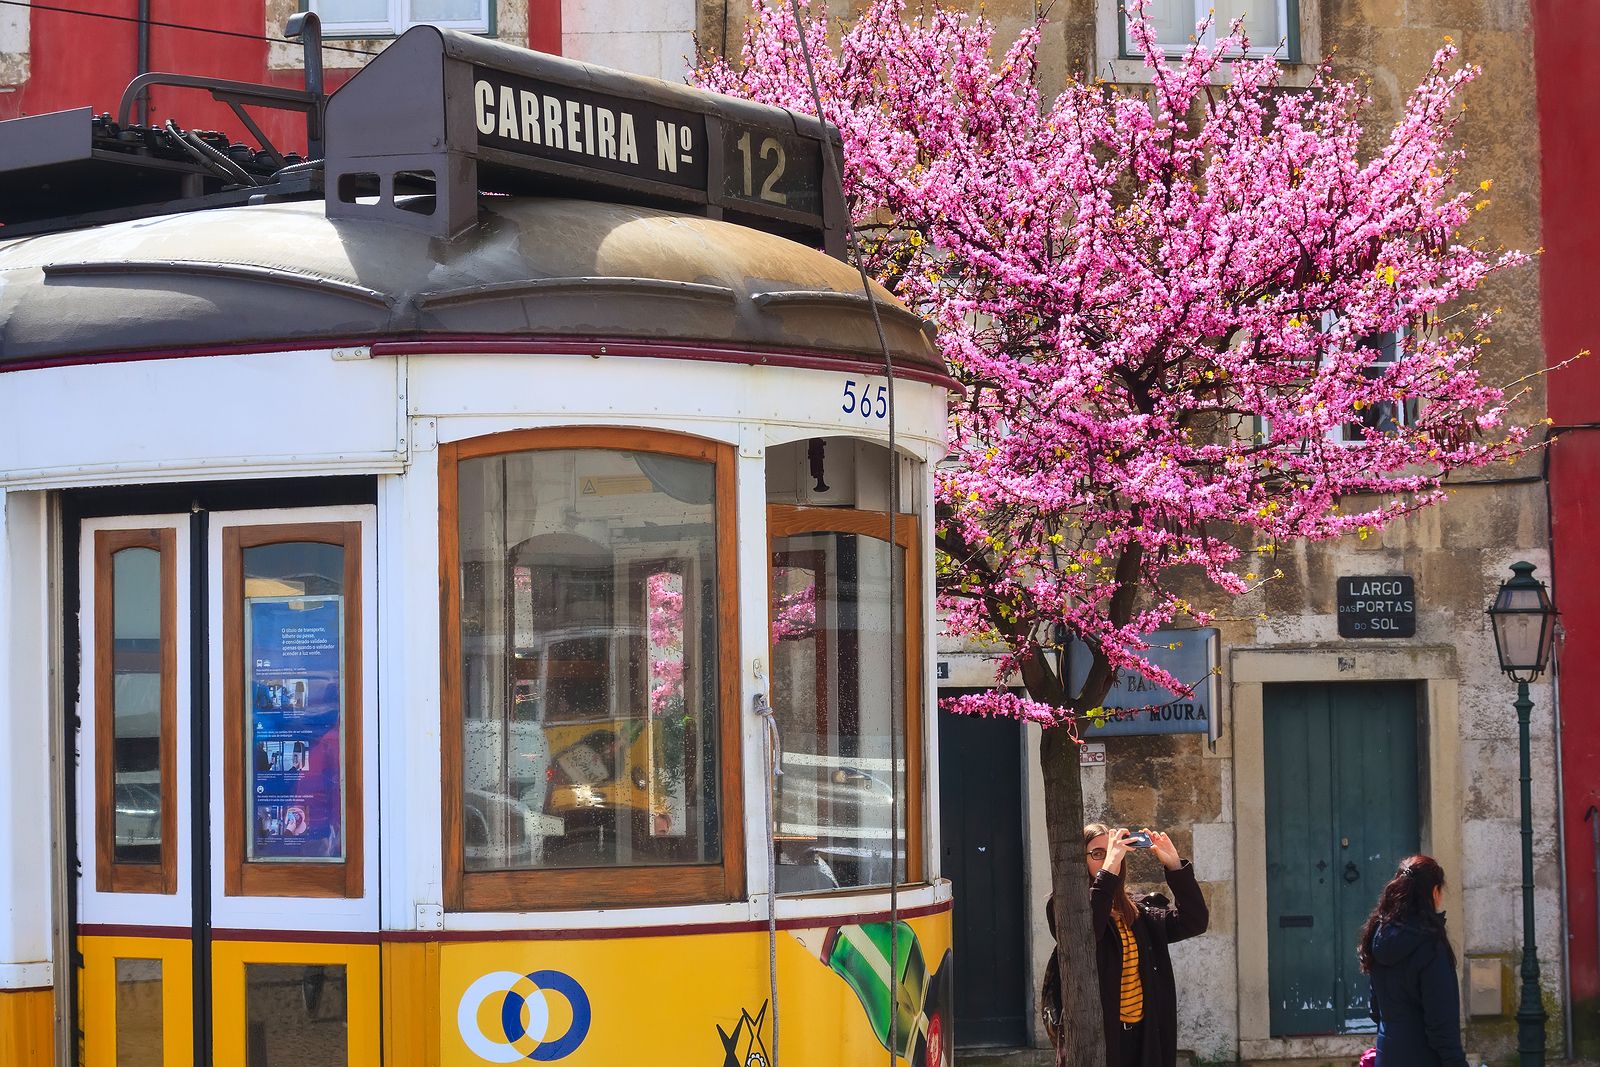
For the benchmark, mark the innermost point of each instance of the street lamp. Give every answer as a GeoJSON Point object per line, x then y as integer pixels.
{"type": "Point", "coordinates": [1524, 624]}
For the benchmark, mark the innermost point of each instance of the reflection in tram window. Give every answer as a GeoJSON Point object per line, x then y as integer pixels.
{"type": "Point", "coordinates": [139, 1013]}
{"type": "Point", "coordinates": [295, 1015]}
{"type": "Point", "coordinates": [589, 668]}
{"type": "Point", "coordinates": [835, 629]}
{"type": "Point", "coordinates": [294, 684]}
{"type": "Point", "coordinates": [136, 657]}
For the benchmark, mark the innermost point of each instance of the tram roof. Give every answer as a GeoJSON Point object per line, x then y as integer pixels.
{"type": "Point", "coordinates": [278, 275]}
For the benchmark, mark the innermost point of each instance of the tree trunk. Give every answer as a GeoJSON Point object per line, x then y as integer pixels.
{"type": "Point", "coordinates": [1082, 1040]}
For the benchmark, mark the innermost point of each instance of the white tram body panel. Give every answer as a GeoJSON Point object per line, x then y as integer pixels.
{"type": "Point", "coordinates": [389, 616]}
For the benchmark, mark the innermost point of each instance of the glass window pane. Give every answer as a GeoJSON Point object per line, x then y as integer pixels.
{"type": "Point", "coordinates": [139, 1013]}
{"type": "Point", "coordinates": [336, 13]}
{"type": "Point", "coordinates": [447, 11]}
{"type": "Point", "coordinates": [589, 667]}
{"type": "Point", "coordinates": [295, 1014]}
{"type": "Point", "coordinates": [1173, 22]}
{"type": "Point", "coordinates": [1261, 22]}
{"type": "Point", "coordinates": [136, 656]}
{"type": "Point", "coordinates": [835, 629]}
{"type": "Point", "coordinates": [294, 681]}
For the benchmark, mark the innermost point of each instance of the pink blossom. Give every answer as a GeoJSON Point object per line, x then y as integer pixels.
{"type": "Point", "coordinates": [1158, 302]}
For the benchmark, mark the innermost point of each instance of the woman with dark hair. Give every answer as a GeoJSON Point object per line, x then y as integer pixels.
{"type": "Point", "coordinates": [1138, 999]}
{"type": "Point", "coordinates": [1416, 1001]}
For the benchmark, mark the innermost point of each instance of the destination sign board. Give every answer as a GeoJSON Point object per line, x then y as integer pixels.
{"type": "Point", "coordinates": [467, 116]}
{"type": "Point", "coordinates": [589, 129]}
{"type": "Point", "coordinates": [1382, 605]}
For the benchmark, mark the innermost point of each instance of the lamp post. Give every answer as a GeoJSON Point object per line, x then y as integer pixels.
{"type": "Point", "coordinates": [1524, 623]}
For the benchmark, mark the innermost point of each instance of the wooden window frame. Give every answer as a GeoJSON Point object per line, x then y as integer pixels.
{"type": "Point", "coordinates": [559, 889]}
{"type": "Point", "coordinates": [785, 520]}
{"type": "Point", "coordinates": [264, 878]}
{"type": "Point", "coordinates": [111, 876]}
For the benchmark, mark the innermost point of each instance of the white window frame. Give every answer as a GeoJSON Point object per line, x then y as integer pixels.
{"type": "Point", "coordinates": [1302, 28]}
{"type": "Point", "coordinates": [1404, 415]}
{"type": "Point", "coordinates": [1341, 435]}
{"type": "Point", "coordinates": [398, 23]}
{"type": "Point", "coordinates": [1282, 47]}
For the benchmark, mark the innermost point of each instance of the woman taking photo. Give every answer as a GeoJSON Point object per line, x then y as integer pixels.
{"type": "Point", "coordinates": [1415, 999]}
{"type": "Point", "coordinates": [1138, 1000]}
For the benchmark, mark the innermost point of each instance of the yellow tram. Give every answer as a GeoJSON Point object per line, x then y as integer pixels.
{"type": "Point", "coordinates": [449, 602]}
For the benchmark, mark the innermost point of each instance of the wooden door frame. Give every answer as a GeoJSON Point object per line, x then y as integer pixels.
{"type": "Point", "coordinates": [1434, 668]}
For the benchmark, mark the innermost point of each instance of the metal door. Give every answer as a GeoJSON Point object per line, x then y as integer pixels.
{"type": "Point", "coordinates": [980, 803]}
{"type": "Point", "coordinates": [1341, 802]}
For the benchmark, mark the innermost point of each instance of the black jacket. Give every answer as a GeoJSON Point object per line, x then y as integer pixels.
{"type": "Point", "coordinates": [1158, 925]}
{"type": "Point", "coordinates": [1415, 998]}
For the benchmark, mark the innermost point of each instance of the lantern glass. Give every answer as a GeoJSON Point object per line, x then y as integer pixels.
{"type": "Point", "coordinates": [1523, 619]}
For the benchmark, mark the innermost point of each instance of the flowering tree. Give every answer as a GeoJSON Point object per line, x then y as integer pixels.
{"type": "Point", "coordinates": [1191, 321]}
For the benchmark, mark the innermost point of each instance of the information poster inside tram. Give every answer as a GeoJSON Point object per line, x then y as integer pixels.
{"type": "Point", "coordinates": [295, 683]}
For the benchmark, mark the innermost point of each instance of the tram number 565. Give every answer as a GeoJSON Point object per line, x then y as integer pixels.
{"type": "Point", "coordinates": [866, 402]}
{"type": "Point", "coordinates": [770, 149]}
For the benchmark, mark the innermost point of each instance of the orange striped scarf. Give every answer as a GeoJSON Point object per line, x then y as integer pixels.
{"type": "Point", "coordinates": [1132, 988]}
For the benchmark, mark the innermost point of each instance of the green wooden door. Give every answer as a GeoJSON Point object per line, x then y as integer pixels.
{"type": "Point", "coordinates": [1341, 801]}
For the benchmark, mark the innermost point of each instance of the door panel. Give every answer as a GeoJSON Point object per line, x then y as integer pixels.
{"type": "Point", "coordinates": [166, 953]}
{"type": "Point", "coordinates": [1375, 728]}
{"type": "Point", "coordinates": [980, 803]}
{"type": "Point", "coordinates": [1342, 811]}
{"type": "Point", "coordinates": [1302, 942]}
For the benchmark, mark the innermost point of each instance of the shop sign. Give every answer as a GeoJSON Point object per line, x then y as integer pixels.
{"type": "Point", "coordinates": [1383, 605]}
{"type": "Point", "coordinates": [1136, 705]}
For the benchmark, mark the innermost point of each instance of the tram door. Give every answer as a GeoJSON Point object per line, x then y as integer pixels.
{"type": "Point", "coordinates": [226, 898]}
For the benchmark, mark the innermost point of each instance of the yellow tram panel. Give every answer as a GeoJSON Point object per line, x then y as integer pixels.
{"type": "Point", "coordinates": [27, 1027]}
{"type": "Point", "coordinates": [169, 1011]}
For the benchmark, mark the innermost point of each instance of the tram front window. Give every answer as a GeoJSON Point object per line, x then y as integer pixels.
{"type": "Point", "coordinates": [836, 627]}
{"type": "Point", "coordinates": [588, 660]}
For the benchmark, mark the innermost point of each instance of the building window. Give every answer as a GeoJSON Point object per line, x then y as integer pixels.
{"type": "Point", "coordinates": [384, 18]}
{"type": "Point", "coordinates": [591, 670]}
{"type": "Point", "coordinates": [1382, 419]}
{"type": "Point", "coordinates": [1386, 418]}
{"type": "Point", "coordinates": [1271, 25]}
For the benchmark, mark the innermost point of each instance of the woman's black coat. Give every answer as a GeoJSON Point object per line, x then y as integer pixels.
{"type": "Point", "coordinates": [1159, 924]}
{"type": "Point", "coordinates": [1415, 998]}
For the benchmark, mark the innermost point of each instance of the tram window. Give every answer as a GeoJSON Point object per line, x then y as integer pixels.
{"type": "Point", "coordinates": [136, 692]}
{"type": "Point", "coordinates": [139, 1013]}
{"type": "Point", "coordinates": [848, 743]}
{"type": "Point", "coordinates": [294, 695]}
{"type": "Point", "coordinates": [296, 1014]}
{"type": "Point", "coordinates": [591, 664]}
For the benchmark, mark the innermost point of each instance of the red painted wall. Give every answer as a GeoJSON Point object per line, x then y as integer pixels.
{"type": "Point", "coordinates": [77, 60]}
{"type": "Point", "coordinates": [1569, 136]}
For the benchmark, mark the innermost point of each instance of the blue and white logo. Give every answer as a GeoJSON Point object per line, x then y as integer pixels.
{"type": "Point", "coordinates": [519, 1029]}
